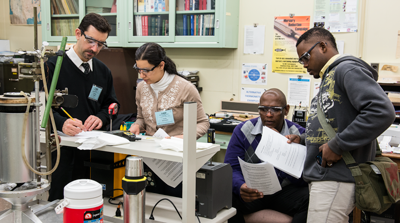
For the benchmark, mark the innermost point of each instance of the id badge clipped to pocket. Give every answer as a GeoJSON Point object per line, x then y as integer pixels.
{"type": "Point", "coordinates": [95, 93]}
{"type": "Point", "coordinates": [165, 117]}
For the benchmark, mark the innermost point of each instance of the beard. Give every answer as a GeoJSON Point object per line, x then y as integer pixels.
{"type": "Point", "coordinates": [88, 54]}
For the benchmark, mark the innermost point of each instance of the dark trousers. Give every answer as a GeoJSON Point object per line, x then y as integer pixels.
{"type": "Point", "coordinates": [291, 200]}
{"type": "Point", "coordinates": [70, 168]}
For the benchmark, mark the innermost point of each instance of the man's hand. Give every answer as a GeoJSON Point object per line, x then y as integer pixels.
{"type": "Point", "coordinates": [293, 138]}
{"type": "Point", "coordinates": [73, 127]}
{"type": "Point", "coordinates": [93, 122]}
{"type": "Point", "coordinates": [328, 156]}
{"type": "Point", "coordinates": [248, 194]}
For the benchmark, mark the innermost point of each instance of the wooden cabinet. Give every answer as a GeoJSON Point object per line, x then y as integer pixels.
{"type": "Point", "coordinates": [172, 25]}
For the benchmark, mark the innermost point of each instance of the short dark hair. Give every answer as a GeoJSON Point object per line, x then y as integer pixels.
{"type": "Point", "coordinates": [322, 33]}
{"type": "Point", "coordinates": [154, 54]}
{"type": "Point", "coordinates": [96, 20]}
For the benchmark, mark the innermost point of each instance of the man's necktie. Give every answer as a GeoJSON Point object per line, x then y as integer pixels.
{"type": "Point", "coordinates": [87, 68]}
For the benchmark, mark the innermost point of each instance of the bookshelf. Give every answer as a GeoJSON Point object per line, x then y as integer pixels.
{"type": "Point", "coordinates": [171, 23]}
{"type": "Point", "coordinates": [62, 17]}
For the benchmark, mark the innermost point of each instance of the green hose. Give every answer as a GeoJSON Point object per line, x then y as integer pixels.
{"type": "Point", "coordinates": [53, 84]}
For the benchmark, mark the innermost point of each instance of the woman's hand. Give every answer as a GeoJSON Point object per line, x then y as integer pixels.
{"type": "Point", "coordinates": [135, 129]}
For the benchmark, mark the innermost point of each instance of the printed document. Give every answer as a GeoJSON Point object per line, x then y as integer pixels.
{"type": "Point", "coordinates": [168, 171]}
{"type": "Point", "coordinates": [260, 176]}
{"type": "Point", "coordinates": [273, 148]}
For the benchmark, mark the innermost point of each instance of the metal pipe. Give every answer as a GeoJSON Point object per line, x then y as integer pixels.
{"type": "Point", "coordinates": [54, 83]}
{"type": "Point", "coordinates": [134, 184]}
{"type": "Point", "coordinates": [35, 35]}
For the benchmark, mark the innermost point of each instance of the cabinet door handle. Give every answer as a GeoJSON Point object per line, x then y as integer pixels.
{"type": "Point", "coordinates": [48, 26]}
{"type": "Point", "coordinates": [217, 23]}
{"type": "Point", "coordinates": [118, 25]}
{"type": "Point", "coordinates": [130, 25]}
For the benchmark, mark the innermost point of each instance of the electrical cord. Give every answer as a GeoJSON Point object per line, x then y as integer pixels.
{"type": "Point", "coordinates": [176, 209]}
{"type": "Point", "coordinates": [113, 198]}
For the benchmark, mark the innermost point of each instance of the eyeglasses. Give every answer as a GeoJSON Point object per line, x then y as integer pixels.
{"type": "Point", "coordinates": [273, 109]}
{"type": "Point", "coordinates": [142, 70]}
{"type": "Point", "coordinates": [306, 56]}
{"type": "Point", "coordinates": [92, 42]}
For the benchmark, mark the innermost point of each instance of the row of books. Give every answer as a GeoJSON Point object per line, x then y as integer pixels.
{"type": "Point", "coordinates": [64, 27]}
{"type": "Point", "coordinates": [64, 7]}
{"type": "Point", "coordinates": [189, 5]}
{"type": "Point", "coordinates": [198, 25]}
{"type": "Point", "coordinates": [151, 25]}
{"type": "Point", "coordinates": [151, 5]}
{"type": "Point", "coordinates": [90, 9]}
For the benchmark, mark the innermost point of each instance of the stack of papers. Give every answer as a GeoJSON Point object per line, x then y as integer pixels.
{"type": "Point", "coordinates": [177, 144]}
{"type": "Point", "coordinates": [95, 141]}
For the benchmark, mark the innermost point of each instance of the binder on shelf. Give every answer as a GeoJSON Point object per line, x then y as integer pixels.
{"type": "Point", "coordinates": [185, 31]}
{"type": "Point", "coordinates": [191, 25]}
{"type": "Point", "coordinates": [141, 6]}
{"type": "Point", "coordinates": [159, 30]}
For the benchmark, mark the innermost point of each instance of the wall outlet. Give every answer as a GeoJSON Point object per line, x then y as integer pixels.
{"type": "Point", "coordinates": [375, 66]}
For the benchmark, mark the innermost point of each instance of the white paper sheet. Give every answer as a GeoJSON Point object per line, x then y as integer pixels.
{"type": "Point", "coordinates": [254, 39]}
{"type": "Point", "coordinates": [299, 91]}
{"type": "Point", "coordinates": [101, 140]}
{"type": "Point", "coordinates": [168, 171]}
{"type": "Point", "coordinates": [160, 133]}
{"type": "Point", "coordinates": [260, 176]}
{"type": "Point", "coordinates": [177, 144]}
{"type": "Point", "coordinates": [251, 94]}
{"type": "Point", "coordinates": [273, 148]}
{"type": "Point", "coordinates": [83, 134]}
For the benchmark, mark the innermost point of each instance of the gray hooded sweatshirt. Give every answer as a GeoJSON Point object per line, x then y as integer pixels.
{"type": "Point", "coordinates": [359, 111]}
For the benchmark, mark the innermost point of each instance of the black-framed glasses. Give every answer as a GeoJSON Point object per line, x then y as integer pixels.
{"type": "Point", "coordinates": [306, 56]}
{"type": "Point", "coordinates": [143, 70]}
{"type": "Point", "coordinates": [272, 109]}
{"type": "Point", "coordinates": [92, 42]}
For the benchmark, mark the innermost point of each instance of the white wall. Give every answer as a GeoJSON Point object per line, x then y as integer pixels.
{"type": "Point", "coordinates": [220, 68]}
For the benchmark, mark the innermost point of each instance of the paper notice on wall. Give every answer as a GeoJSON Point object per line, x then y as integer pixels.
{"type": "Point", "coordinates": [251, 94]}
{"type": "Point", "coordinates": [254, 37]}
{"type": "Point", "coordinates": [254, 73]}
{"type": "Point", "coordinates": [299, 91]}
{"type": "Point", "coordinates": [336, 15]}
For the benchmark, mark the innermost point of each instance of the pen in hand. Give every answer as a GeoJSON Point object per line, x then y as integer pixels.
{"type": "Point", "coordinates": [67, 113]}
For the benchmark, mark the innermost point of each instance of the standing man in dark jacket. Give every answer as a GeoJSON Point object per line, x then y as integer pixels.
{"type": "Point", "coordinates": [358, 110]}
{"type": "Point", "coordinates": [287, 205]}
{"type": "Point", "coordinates": [90, 80]}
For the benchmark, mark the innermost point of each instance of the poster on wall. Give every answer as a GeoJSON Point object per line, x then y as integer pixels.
{"type": "Point", "coordinates": [251, 94]}
{"type": "Point", "coordinates": [299, 91]}
{"type": "Point", "coordinates": [286, 32]}
{"type": "Point", "coordinates": [21, 12]}
{"type": "Point", "coordinates": [336, 15]}
{"type": "Point", "coordinates": [254, 73]}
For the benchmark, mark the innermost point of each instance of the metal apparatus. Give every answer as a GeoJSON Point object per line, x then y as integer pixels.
{"type": "Point", "coordinates": [134, 184]}
{"type": "Point", "coordinates": [20, 156]}
{"type": "Point", "coordinates": [12, 166]}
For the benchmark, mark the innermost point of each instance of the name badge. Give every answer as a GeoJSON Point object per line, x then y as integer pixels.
{"type": "Point", "coordinates": [165, 118]}
{"type": "Point", "coordinates": [95, 93]}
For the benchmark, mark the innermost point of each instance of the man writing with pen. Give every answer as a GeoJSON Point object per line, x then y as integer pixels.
{"type": "Point", "coordinates": [91, 81]}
